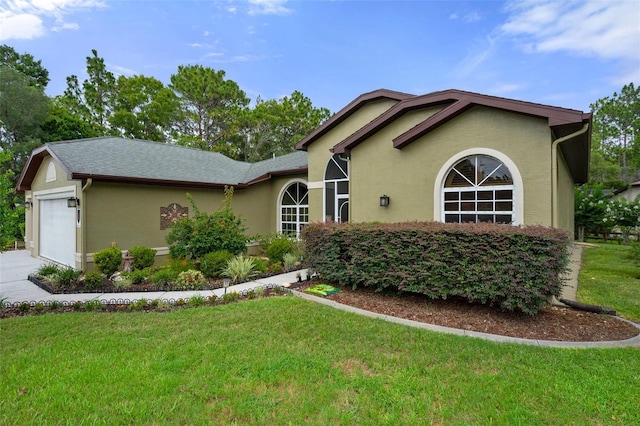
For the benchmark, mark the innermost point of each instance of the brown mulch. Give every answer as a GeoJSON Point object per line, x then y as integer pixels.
{"type": "Point", "coordinates": [551, 323]}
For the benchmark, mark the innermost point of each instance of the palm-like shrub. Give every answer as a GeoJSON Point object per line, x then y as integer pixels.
{"type": "Point", "coordinates": [240, 268]}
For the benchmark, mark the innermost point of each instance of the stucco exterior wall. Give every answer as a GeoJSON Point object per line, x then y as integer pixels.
{"type": "Point", "coordinates": [566, 205]}
{"type": "Point", "coordinates": [408, 176]}
{"type": "Point", "coordinates": [319, 151]}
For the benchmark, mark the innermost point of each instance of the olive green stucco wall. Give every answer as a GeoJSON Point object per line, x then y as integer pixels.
{"type": "Point", "coordinates": [409, 176]}
{"type": "Point", "coordinates": [566, 205]}
{"type": "Point", "coordinates": [319, 151]}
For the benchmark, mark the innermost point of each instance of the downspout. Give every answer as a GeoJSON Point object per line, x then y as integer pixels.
{"type": "Point", "coordinates": [86, 186]}
{"type": "Point", "coordinates": [554, 172]}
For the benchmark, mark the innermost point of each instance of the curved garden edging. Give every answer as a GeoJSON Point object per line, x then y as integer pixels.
{"type": "Point", "coordinates": [634, 341]}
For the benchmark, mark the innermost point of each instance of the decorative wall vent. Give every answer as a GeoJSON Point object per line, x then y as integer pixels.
{"type": "Point", "coordinates": [172, 213]}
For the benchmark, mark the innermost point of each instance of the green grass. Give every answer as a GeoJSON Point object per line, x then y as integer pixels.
{"type": "Point", "coordinates": [609, 277]}
{"type": "Point", "coordinates": [289, 361]}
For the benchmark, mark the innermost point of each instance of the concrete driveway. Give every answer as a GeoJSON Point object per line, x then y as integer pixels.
{"type": "Point", "coordinates": [15, 267]}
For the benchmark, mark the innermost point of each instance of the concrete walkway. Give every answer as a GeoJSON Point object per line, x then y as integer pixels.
{"type": "Point", "coordinates": [15, 266]}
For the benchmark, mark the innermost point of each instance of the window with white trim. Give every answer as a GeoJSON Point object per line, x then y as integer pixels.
{"type": "Point", "coordinates": [294, 209]}
{"type": "Point", "coordinates": [478, 189]}
{"type": "Point", "coordinates": [336, 190]}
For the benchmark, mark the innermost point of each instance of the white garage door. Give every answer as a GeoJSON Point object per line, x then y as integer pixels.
{"type": "Point", "coordinates": [57, 231]}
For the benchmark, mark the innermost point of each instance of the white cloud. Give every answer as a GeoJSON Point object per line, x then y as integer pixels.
{"type": "Point", "coordinates": [118, 70]}
{"type": "Point", "coordinates": [268, 7]}
{"type": "Point", "coordinates": [28, 19]}
{"type": "Point", "coordinates": [472, 17]}
{"type": "Point", "coordinates": [608, 30]}
{"type": "Point", "coordinates": [503, 88]}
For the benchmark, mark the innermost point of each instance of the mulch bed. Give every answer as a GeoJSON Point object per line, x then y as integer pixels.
{"type": "Point", "coordinates": [552, 323]}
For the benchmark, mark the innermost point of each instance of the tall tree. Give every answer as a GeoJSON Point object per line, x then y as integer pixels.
{"type": "Point", "coordinates": [62, 124]}
{"type": "Point", "coordinates": [93, 99]}
{"type": "Point", "coordinates": [23, 108]}
{"type": "Point", "coordinates": [210, 106]}
{"type": "Point", "coordinates": [616, 130]}
{"type": "Point", "coordinates": [144, 109]}
{"type": "Point", "coordinates": [25, 64]}
{"type": "Point", "coordinates": [275, 126]}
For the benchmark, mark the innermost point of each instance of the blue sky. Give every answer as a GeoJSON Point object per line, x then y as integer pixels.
{"type": "Point", "coordinates": [568, 53]}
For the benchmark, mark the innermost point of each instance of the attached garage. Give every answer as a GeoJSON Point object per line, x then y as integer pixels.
{"type": "Point", "coordinates": [57, 229]}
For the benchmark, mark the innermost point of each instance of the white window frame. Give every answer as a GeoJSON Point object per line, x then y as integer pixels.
{"type": "Point", "coordinates": [281, 206]}
{"type": "Point", "coordinates": [518, 187]}
{"type": "Point", "coordinates": [337, 217]}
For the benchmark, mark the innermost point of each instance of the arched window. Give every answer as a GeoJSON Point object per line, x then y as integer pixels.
{"type": "Point", "coordinates": [336, 190]}
{"type": "Point", "coordinates": [294, 209]}
{"type": "Point", "coordinates": [478, 188]}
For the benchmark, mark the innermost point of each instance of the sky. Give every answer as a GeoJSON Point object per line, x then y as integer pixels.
{"type": "Point", "coordinates": [561, 53]}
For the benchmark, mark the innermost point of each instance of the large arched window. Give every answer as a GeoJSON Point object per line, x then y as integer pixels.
{"type": "Point", "coordinates": [336, 190]}
{"type": "Point", "coordinates": [478, 188]}
{"type": "Point", "coordinates": [294, 209]}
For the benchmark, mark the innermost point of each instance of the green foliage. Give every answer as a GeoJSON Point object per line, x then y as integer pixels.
{"type": "Point", "coordinates": [93, 305]}
{"type": "Point", "coordinates": [591, 210]}
{"type": "Point", "coordinates": [240, 269]}
{"type": "Point", "coordinates": [138, 276]}
{"type": "Point", "coordinates": [624, 214]}
{"type": "Point", "coordinates": [11, 216]}
{"type": "Point", "coordinates": [207, 233]}
{"type": "Point", "coordinates": [47, 270]}
{"type": "Point", "coordinates": [260, 265]}
{"type": "Point", "coordinates": [181, 264]}
{"type": "Point", "coordinates": [212, 264]}
{"type": "Point", "coordinates": [25, 64]}
{"type": "Point", "coordinates": [67, 277]}
{"type": "Point", "coordinates": [93, 279]}
{"type": "Point", "coordinates": [230, 297]}
{"type": "Point", "coordinates": [515, 268]}
{"type": "Point", "coordinates": [279, 247]}
{"type": "Point", "coordinates": [143, 257]}
{"type": "Point", "coordinates": [197, 300]}
{"type": "Point", "coordinates": [164, 277]}
{"type": "Point", "coordinates": [289, 261]}
{"type": "Point", "coordinates": [108, 260]}
{"type": "Point", "coordinates": [139, 305]}
{"type": "Point", "coordinates": [190, 280]}
{"type": "Point", "coordinates": [122, 281]}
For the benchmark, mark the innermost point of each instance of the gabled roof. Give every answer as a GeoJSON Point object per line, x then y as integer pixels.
{"type": "Point", "coordinates": [123, 160]}
{"type": "Point", "coordinates": [561, 121]}
{"type": "Point", "coordinates": [454, 103]}
{"type": "Point", "coordinates": [349, 110]}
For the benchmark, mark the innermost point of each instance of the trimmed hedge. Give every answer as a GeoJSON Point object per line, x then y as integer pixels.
{"type": "Point", "coordinates": [516, 268]}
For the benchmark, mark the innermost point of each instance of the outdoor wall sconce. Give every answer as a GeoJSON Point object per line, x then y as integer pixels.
{"type": "Point", "coordinates": [28, 204]}
{"type": "Point", "coordinates": [384, 201]}
{"type": "Point", "coordinates": [73, 202]}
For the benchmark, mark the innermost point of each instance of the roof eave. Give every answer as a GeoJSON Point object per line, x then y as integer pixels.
{"type": "Point", "coordinates": [347, 111]}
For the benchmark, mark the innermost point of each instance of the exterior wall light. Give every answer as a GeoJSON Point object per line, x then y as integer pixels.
{"type": "Point", "coordinates": [384, 201]}
{"type": "Point", "coordinates": [28, 204]}
{"type": "Point", "coordinates": [73, 202]}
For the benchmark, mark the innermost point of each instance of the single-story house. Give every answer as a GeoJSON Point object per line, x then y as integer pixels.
{"type": "Point", "coordinates": [629, 192]}
{"type": "Point", "coordinates": [387, 156]}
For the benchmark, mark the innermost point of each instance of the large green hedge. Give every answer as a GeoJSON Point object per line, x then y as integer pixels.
{"type": "Point", "coordinates": [515, 268]}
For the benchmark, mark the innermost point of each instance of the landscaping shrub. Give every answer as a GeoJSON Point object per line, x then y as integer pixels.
{"type": "Point", "coordinates": [108, 260]}
{"type": "Point", "coordinates": [143, 257]}
{"type": "Point", "coordinates": [289, 261]}
{"type": "Point", "coordinates": [67, 277]}
{"type": "Point", "coordinates": [138, 276]}
{"type": "Point", "coordinates": [207, 233]}
{"type": "Point", "coordinates": [516, 268]}
{"type": "Point", "coordinates": [190, 280]}
{"type": "Point", "coordinates": [48, 270]}
{"type": "Point", "coordinates": [93, 279]}
{"type": "Point", "coordinates": [278, 248]}
{"type": "Point", "coordinates": [260, 265]}
{"type": "Point", "coordinates": [212, 264]}
{"type": "Point", "coordinates": [240, 268]}
{"type": "Point", "coordinates": [181, 264]}
{"type": "Point", "coordinates": [164, 277]}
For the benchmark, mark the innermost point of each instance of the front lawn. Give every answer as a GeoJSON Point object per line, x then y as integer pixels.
{"type": "Point", "coordinates": [290, 361]}
{"type": "Point", "coordinates": [609, 277]}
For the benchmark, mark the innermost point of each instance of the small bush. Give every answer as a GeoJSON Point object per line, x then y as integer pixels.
{"type": "Point", "coordinates": [197, 300]}
{"type": "Point", "coordinates": [122, 282]}
{"type": "Point", "coordinates": [164, 277]}
{"type": "Point", "coordinates": [93, 279]}
{"type": "Point", "coordinates": [230, 297]}
{"type": "Point", "coordinates": [190, 280]}
{"type": "Point", "coordinates": [239, 269]}
{"type": "Point", "coordinates": [108, 260]}
{"type": "Point", "coordinates": [260, 265]}
{"type": "Point", "coordinates": [212, 264]}
{"type": "Point", "coordinates": [139, 305]}
{"type": "Point", "coordinates": [278, 248]}
{"type": "Point", "coordinates": [67, 277]}
{"type": "Point", "coordinates": [48, 270]}
{"type": "Point", "coordinates": [93, 305]}
{"type": "Point", "coordinates": [181, 264]}
{"type": "Point", "coordinates": [289, 261]}
{"type": "Point", "coordinates": [143, 257]}
{"type": "Point", "coordinates": [138, 276]}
